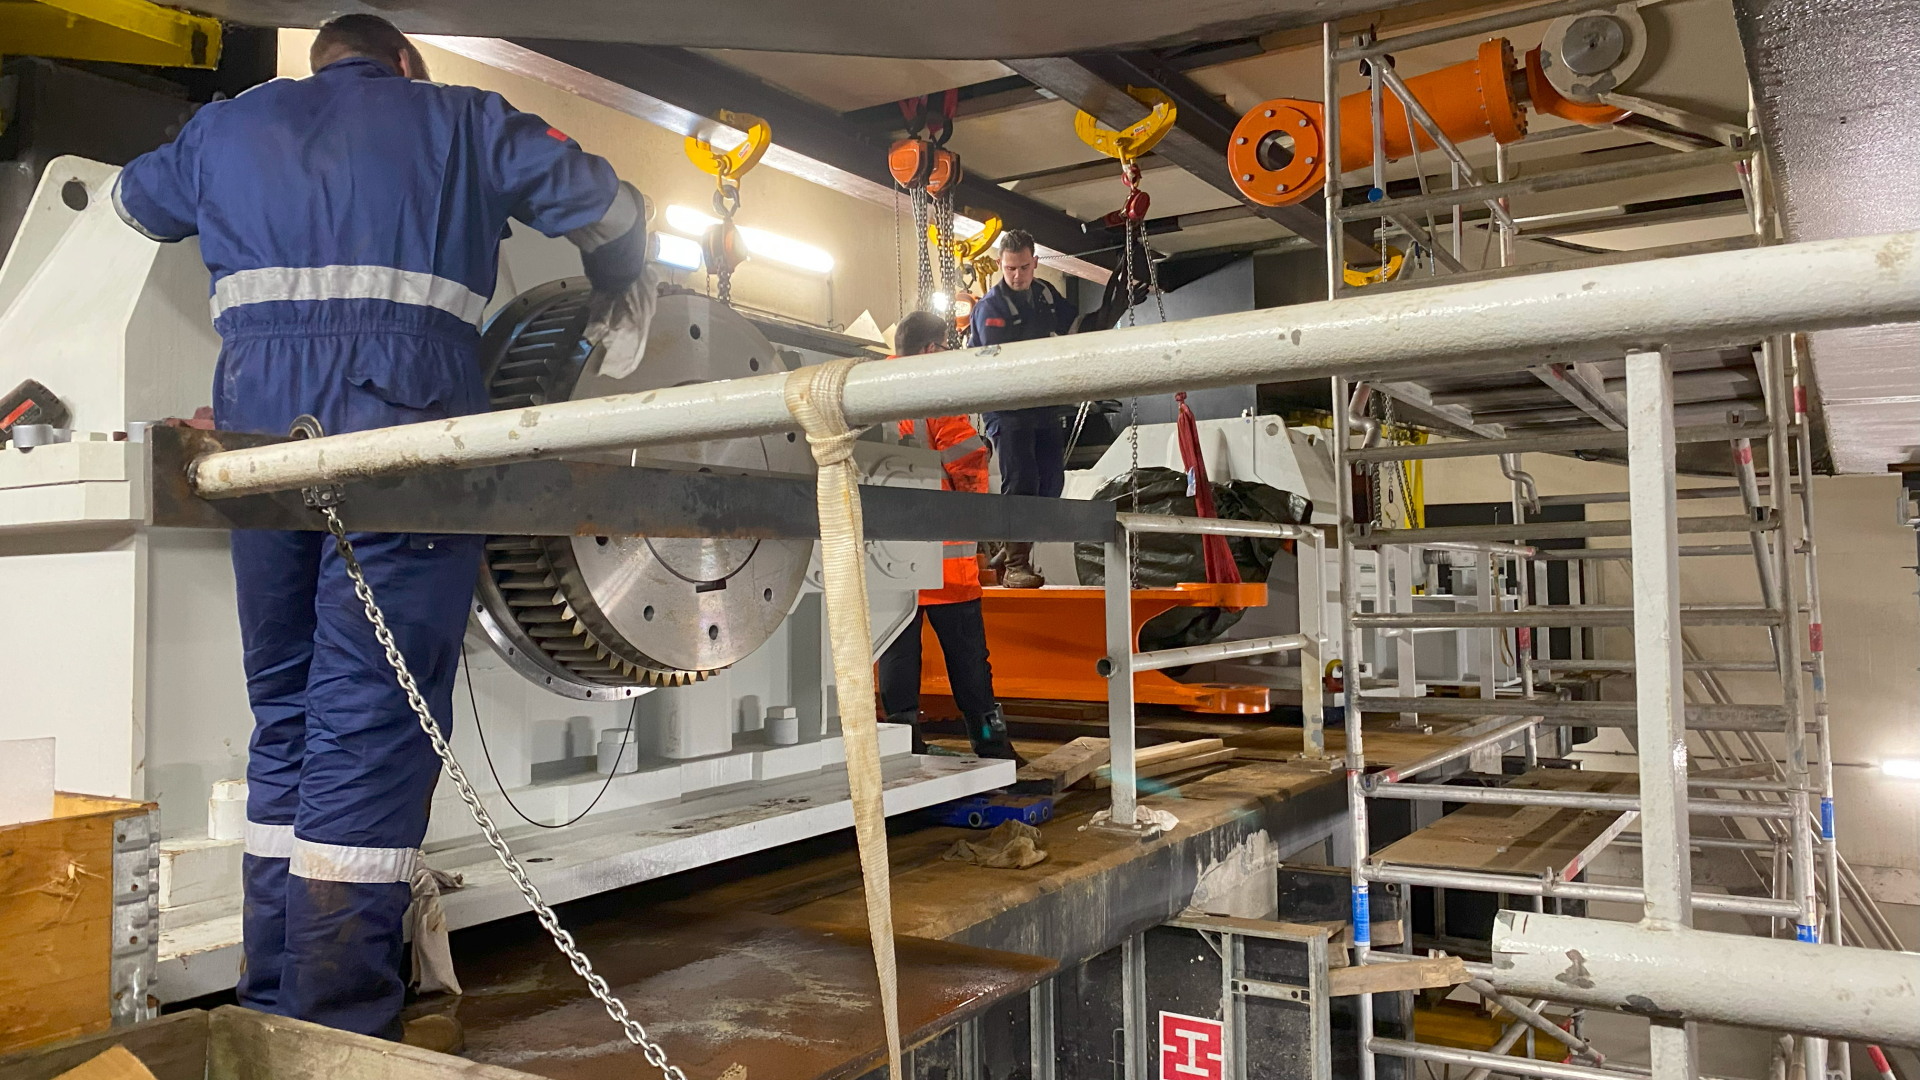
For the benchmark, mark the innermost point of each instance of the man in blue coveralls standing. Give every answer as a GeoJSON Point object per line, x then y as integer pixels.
{"type": "Point", "coordinates": [351, 222]}
{"type": "Point", "coordinates": [1030, 443]}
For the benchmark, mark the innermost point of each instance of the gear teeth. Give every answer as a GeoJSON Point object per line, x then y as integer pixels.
{"type": "Point", "coordinates": [541, 364]}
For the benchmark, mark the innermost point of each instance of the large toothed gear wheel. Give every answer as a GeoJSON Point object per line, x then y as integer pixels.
{"type": "Point", "coordinates": [604, 617]}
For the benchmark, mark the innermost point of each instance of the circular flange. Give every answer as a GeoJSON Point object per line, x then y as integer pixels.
{"type": "Point", "coordinates": [599, 616]}
{"type": "Point", "coordinates": [1276, 152]}
{"type": "Point", "coordinates": [1588, 55]}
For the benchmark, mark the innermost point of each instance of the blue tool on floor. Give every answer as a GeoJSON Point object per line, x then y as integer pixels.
{"type": "Point", "coordinates": [986, 811]}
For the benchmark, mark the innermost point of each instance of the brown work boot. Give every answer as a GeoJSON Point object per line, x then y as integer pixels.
{"type": "Point", "coordinates": [1019, 572]}
{"type": "Point", "coordinates": [437, 1032]}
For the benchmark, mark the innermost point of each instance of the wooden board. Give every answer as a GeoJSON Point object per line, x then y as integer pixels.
{"type": "Point", "coordinates": [1149, 759]}
{"type": "Point", "coordinates": [1400, 975]}
{"type": "Point", "coordinates": [1103, 779]}
{"type": "Point", "coordinates": [173, 1047]}
{"type": "Point", "coordinates": [56, 920]}
{"type": "Point", "coordinates": [1054, 773]}
{"type": "Point", "coordinates": [1513, 839]}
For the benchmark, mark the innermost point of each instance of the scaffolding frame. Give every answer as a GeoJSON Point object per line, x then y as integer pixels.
{"type": "Point", "coordinates": [1803, 867]}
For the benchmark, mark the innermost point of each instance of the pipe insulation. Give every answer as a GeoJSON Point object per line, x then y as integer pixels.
{"type": "Point", "coordinates": [1688, 302]}
{"type": "Point", "coordinates": [1835, 991]}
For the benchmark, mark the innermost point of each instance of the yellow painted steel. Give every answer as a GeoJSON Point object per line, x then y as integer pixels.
{"type": "Point", "coordinates": [1385, 272]}
{"type": "Point", "coordinates": [1467, 1027]}
{"type": "Point", "coordinates": [1135, 139]}
{"type": "Point", "coordinates": [732, 164]}
{"type": "Point", "coordinates": [114, 31]}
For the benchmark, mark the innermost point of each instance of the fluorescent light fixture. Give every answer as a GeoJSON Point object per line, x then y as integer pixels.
{"type": "Point", "coordinates": [940, 302]}
{"type": "Point", "coordinates": [760, 243]}
{"type": "Point", "coordinates": [689, 220]}
{"type": "Point", "coordinates": [966, 228]}
{"type": "Point", "coordinates": [677, 251]}
{"type": "Point", "coordinates": [1902, 768]}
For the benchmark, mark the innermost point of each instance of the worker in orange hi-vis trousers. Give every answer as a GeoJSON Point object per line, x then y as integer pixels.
{"type": "Point", "coordinates": [954, 608]}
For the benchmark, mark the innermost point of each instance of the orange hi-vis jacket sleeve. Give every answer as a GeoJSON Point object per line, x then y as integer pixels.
{"type": "Point", "coordinates": [963, 454]}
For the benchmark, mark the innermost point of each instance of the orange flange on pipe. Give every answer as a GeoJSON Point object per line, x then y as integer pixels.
{"type": "Point", "coordinates": [1545, 99]}
{"type": "Point", "coordinates": [1276, 150]}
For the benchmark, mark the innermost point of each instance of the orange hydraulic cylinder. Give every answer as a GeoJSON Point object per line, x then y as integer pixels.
{"type": "Point", "coordinates": [1468, 100]}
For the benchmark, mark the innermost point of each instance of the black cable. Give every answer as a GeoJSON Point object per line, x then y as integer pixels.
{"type": "Point", "coordinates": [474, 701]}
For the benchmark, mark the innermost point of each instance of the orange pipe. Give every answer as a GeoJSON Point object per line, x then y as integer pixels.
{"type": "Point", "coordinates": [1468, 100]}
{"type": "Point", "coordinates": [1485, 96]}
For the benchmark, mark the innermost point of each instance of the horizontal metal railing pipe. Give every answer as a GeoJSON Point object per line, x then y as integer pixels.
{"type": "Point", "coordinates": [1720, 843]}
{"type": "Point", "coordinates": [1571, 800]}
{"type": "Point", "coordinates": [1835, 991]}
{"type": "Point", "coordinates": [1559, 530]}
{"type": "Point", "coordinates": [1560, 615]}
{"type": "Point", "coordinates": [1394, 774]}
{"type": "Point", "coordinates": [1485, 547]}
{"type": "Point", "coordinates": [1470, 28]}
{"type": "Point", "coordinates": [1589, 439]}
{"type": "Point", "coordinates": [1475, 881]}
{"type": "Point", "coordinates": [1196, 526]}
{"type": "Point", "coordinates": [1599, 312]}
{"type": "Point", "coordinates": [1504, 1064]}
{"type": "Point", "coordinates": [1201, 654]}
{"type": "Point", "coordinates": [1701, 716]}
{"type": "Point", "coordinates": [1621, 496]}
{"type": "Point", "coordinates": [1697, 551]}
{"type": "Point", "coordinates": [1632, 169]}
{"type": "Point", "coordinates": [1628, 665]}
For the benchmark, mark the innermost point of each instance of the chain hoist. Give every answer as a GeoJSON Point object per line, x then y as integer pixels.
{"type": "Point", "coordinates": [722, 246]}
{"type": "Point", "coordinates": [930, 172]}
{"type": "Point", "coordinates": [326, 500]}
{"type": "Point", "coordinates": [1127, 145]}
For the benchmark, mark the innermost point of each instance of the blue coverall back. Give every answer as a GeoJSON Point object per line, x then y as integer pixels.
{"type": "Point", "coordinates": [1030, 443]}
{"type": "Point", "coordinates": [351, 222]}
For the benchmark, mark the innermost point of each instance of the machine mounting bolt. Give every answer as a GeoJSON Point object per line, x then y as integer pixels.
{"type": "Point", "coordinates": [1268, 113]}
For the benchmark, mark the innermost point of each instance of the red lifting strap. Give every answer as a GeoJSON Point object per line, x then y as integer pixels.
{"type": "Point", "coordinates": [1221, 569]}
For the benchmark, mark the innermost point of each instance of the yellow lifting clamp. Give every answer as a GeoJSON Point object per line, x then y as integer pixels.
{"type": "Point", "coordinates": [1135, 139]}
{"type": "Point", "coordinates": [1386, 271]}
{"type": "Point", "coordinates": [732, 164]}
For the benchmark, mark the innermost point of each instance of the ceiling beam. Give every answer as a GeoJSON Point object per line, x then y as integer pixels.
{"type": "Point", "coordinates": [1203, 126]}
{"type": "Point", "coordinates": [684, 92]}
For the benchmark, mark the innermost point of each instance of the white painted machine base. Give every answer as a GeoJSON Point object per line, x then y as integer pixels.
{"type": "Point", "coordinates": [618, 849]}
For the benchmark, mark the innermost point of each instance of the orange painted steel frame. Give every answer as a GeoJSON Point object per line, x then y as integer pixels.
{"type": "Point", "coordinates": [1479, 97]}
{"type": "Point", "coordinates": [1043, 644]}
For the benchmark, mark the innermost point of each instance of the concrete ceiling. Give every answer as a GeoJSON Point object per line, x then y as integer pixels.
{"type": "Point", "coordinates": [983, 30]}
{"type": "Point", "coordinates": [1836, 96]}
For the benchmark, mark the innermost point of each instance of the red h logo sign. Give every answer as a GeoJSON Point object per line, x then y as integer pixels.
{"type": "Point", "coordinates": [1190, 1048]}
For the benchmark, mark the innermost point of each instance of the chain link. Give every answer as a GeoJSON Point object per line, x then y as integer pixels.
{"type": "Point", "coordinates": [925, 282]}
{"type": "Point", "coordinates": [949, 266]}
{"type": "Point", "coordinates": [597, 986]}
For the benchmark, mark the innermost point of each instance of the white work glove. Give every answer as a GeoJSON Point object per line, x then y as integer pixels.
{"type": "Point", "coordinates": [617, 324]}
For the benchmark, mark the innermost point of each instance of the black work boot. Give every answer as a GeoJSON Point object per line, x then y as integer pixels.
{"type": "Point", "coordinates": [911, 718]}
{"type": "Point", "coordinates": [1019, 572]}
{"type": "Point", "coordinates": [988, 734]}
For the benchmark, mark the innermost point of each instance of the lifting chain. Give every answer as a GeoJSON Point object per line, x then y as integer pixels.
{"type": "Point", "coordinates": [723, 240]}
{"type": "Point", "coordinates": [327, 500]}
{"type": "Point", "coordinates": [949, 265]}
{"type": "Point", "coordinates": [921, 205]}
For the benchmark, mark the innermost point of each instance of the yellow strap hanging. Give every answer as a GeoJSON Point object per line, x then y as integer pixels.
{"type": "Point", "coordinates": [732, 164]}
{"type": "Point", "coordinates": [1135, 139]}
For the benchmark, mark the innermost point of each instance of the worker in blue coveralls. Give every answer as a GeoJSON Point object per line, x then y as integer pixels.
{"type": "Point", "coordinates": [351, 222]}
{"type": "Point", "coordinates": [1031, 444]}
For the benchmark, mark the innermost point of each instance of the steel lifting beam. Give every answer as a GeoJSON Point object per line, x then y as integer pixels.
{"type": "Point", "coordinates": [571, 498]}
{"type": "Point", "coordinates": [1096, 83]}
{"type": "Point", "coordinates": [114, 31]}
